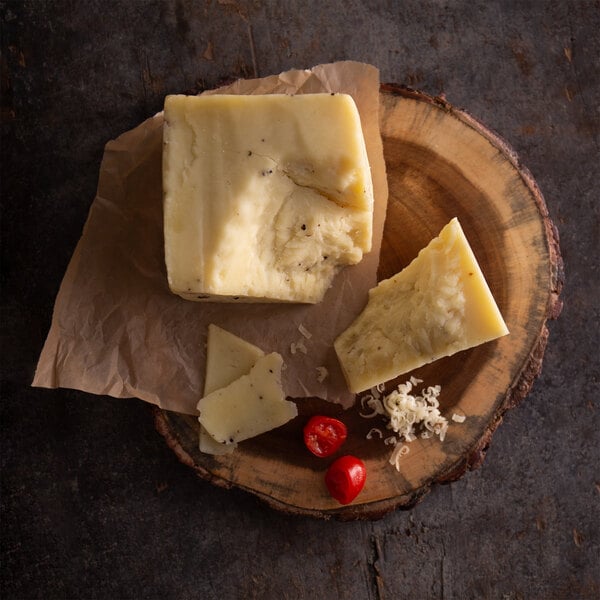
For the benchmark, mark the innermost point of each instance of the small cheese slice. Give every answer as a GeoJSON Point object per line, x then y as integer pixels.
{"type": "Point", "coordinates": [266, 197]}
{"type": "Point", "coordinates": [438, 305]}
{"type": "Point", "coordinates": [251, 405]}
{"type": "Point", "coordinates": [228, 357]}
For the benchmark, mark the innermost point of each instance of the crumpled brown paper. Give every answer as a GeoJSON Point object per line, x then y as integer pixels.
{"type": "Point", "coordinates": [116, 327]}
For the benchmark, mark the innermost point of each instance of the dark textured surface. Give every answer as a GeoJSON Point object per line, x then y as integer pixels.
{"type": "Point", "coordinates": [94, 505]}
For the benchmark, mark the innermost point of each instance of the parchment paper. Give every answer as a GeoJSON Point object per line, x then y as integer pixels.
{"type": "Point", "coordinates": [118, 330]}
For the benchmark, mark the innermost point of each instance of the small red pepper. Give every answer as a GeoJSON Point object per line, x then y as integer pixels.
{"type": "Point", "coordinates": [324, 435]}
{"type": "Point", "coordinates": [345, 478]}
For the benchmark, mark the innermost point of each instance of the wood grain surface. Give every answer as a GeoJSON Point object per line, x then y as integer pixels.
{"type": "Point", "coordinates": [441, 164]}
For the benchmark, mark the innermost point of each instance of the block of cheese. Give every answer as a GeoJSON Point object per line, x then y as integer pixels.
{"type": "Point", "coordinates": [266, 197]}
{"type": "Point", "coordinates": [438, 305]}
{"type": "Point", "coordinates": [228, 357]}
{"type": "Point", "coordinates": [251, 405]}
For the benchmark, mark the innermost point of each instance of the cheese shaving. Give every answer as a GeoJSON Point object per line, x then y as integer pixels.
{"type": "Point", "coordinates": [322, 374]}
{"type": "Point", "coordinates": [298, 347]}
{"type": "Point", "coordinates": [458, 418]}
{"type": "Point", "coordinates": [398, 452]}
{"type": "Point", "coordinates": [373, 402]}
{"type": "Point", "coordinates": [305, 332]}
{"type": "Point", "coordinates": [374, 431]}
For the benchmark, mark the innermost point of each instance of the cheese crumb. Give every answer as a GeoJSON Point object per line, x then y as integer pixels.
{"type": "Point", "coordinates": [298, 347]}
{"type": "Point", "coordinates": [305, 332]}
{"type": "Point", "coordinates": [322, 374]}
{"type": "Point", "coordinates": [458, 418]}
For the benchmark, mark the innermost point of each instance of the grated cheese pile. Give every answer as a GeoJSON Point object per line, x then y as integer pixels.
{"type": "Point", "coordinates": [406, 413]}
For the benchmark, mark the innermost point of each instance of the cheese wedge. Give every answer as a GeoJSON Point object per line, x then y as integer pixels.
{"type": "Point", "coordinates": [251, 405]}
{"type": "Point", "coordinates": [266, 198]}
{"type": "Point", "coordinates": [438, 305]}
{"type": "Point", "coordinates": [228, 357]}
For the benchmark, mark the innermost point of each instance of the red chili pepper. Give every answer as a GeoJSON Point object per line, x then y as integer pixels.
{"type": "Point", "coordinates": [345, 478]}
{"type": "Point", "coordinates": [324, 435]}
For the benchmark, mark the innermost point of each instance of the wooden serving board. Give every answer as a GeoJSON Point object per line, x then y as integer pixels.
{"type": "Point", "coordinates": [441, 164]}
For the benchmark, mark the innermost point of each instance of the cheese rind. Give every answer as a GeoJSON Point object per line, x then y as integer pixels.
{"type": "Point", "coordinates": [438, 305]}
{"type": "Point", "coordinates": [228, 357]}
{"type": "Point", "coordinates": [251, 405]}
{"type": "Point", "coordinates": [265, 197]}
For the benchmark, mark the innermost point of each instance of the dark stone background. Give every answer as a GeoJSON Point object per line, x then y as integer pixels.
{"type": "Point", "coordinates": [94, 505]}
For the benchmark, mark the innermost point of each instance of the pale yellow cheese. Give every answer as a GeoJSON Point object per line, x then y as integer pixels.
{"type": "Point", "coordinates": [251, 405]}
{"type": "Point", "coordinates": [265, 197]}
{"type": "Point", "coordinates": [228, 357]}
{"type": "Point", "coordinates": [438, 305]}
